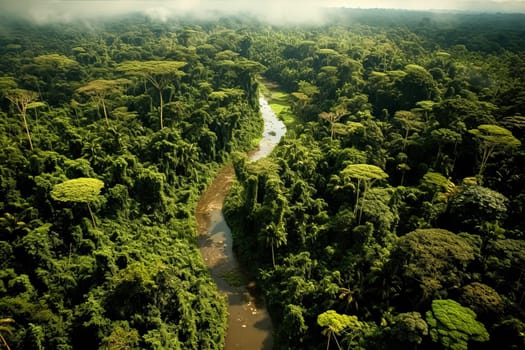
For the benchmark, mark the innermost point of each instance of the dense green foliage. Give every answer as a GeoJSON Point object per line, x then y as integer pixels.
{"type": "Point", "coordinates": [125, 124]}
{"type": "Point", "coordinates": [394, 208]}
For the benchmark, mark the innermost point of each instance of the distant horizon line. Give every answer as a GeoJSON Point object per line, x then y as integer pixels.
{"type": "Point", "coordinates": [66, 14]}
{"type": "Point", "coordinates": [487, 6]}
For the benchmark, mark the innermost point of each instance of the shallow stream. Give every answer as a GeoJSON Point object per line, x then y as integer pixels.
{"type": "Point", "coordinates": [249, 325]}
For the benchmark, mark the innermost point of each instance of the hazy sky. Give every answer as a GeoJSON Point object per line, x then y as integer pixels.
{"type": "Point", "coordinates": [290, 10]}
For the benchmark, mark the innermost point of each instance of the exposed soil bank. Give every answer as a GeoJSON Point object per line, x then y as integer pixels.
{"type": "Point", "coordinates": [249, 325]}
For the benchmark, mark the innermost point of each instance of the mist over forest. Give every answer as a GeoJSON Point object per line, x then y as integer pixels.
{"type": "Point", "coordinates": [390, 216]}
{"type": "Point", "coordinates": [274, 11]}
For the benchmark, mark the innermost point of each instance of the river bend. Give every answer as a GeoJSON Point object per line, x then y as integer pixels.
{"type": "Point", "coordinates": [249, 325]}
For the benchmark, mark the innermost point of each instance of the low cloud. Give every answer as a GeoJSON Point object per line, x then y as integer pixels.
{"type": "Point", "coordinates": [68, 10]}
{"type": "Point", "coordinates": [290, 11]}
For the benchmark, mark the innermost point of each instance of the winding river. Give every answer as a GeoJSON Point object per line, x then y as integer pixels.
{"type": "Point", "coordinates": [249, 325]}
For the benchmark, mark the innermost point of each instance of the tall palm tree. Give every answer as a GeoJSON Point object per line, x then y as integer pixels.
{"type": "Point", "coordinates": [274, 236]}
{"type": "Point", "coordinates": [24, 100]}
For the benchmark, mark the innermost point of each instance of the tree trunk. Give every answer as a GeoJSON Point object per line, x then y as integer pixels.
{"type": "Point", "coordinates": [365, 190]}
{"type": "Point", "coordinates": [273, 256]}
{"type": "Point", "coordinates": [405, 140]}
{"type": "Point", "coordinates": [105, 113]}
{"type": "Point", "coordinates": [27, 130]}
{"type": "Point", "coordinates": [161, 103]}
{"type": "Point", "coordinates": [336, 342]}
{"type": "Point", "coordinates": [487, 152]}
{"type": "Point", "coordinates": [357, 196]}
{"type": "Point", "coordinates": [92, 216]}
{"type": "Point", "coordinates": [4, 343]}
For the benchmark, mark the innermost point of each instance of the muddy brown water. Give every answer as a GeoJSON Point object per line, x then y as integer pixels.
{"type": "Point", "coordinates": [249, 325]}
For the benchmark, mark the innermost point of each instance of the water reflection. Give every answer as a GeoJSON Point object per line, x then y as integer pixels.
{"type": "Point", "coordinates": [249, 325]}
{"type": "Point", "coordinates": [274, 130]}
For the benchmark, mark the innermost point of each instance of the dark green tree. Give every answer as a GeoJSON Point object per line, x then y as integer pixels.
{"type": "Point", "coordinates": [23, 100]}
{"type": "Point", "coordinates": [427, 262]}
{"type": "Point", "coordinates": [491, 139]}
{"type": "Point", "coordinates": [470, 206]}
{"type": "Point", "coordinates": [158, 73]}
{"type": "Point", "coordinates": [332, 118]}
{"type": "Point", "coordinates": [366, 175]}
{"type": "Point", "coordinates": [99, 89]}
{"type": "Point", "coordinates": [409, 328]}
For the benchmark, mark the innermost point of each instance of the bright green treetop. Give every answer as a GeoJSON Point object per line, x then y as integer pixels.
{"type": "Point", "coordinates": [81, 190]}
{"type": "Point", "coordinates": [366, 172]}
{"type": "Point", "coordinates": [335, 323]}
{"type": "Point", "coordinates": [453, 325]}
{"type": "Point", "coordinates": [55, 61]}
